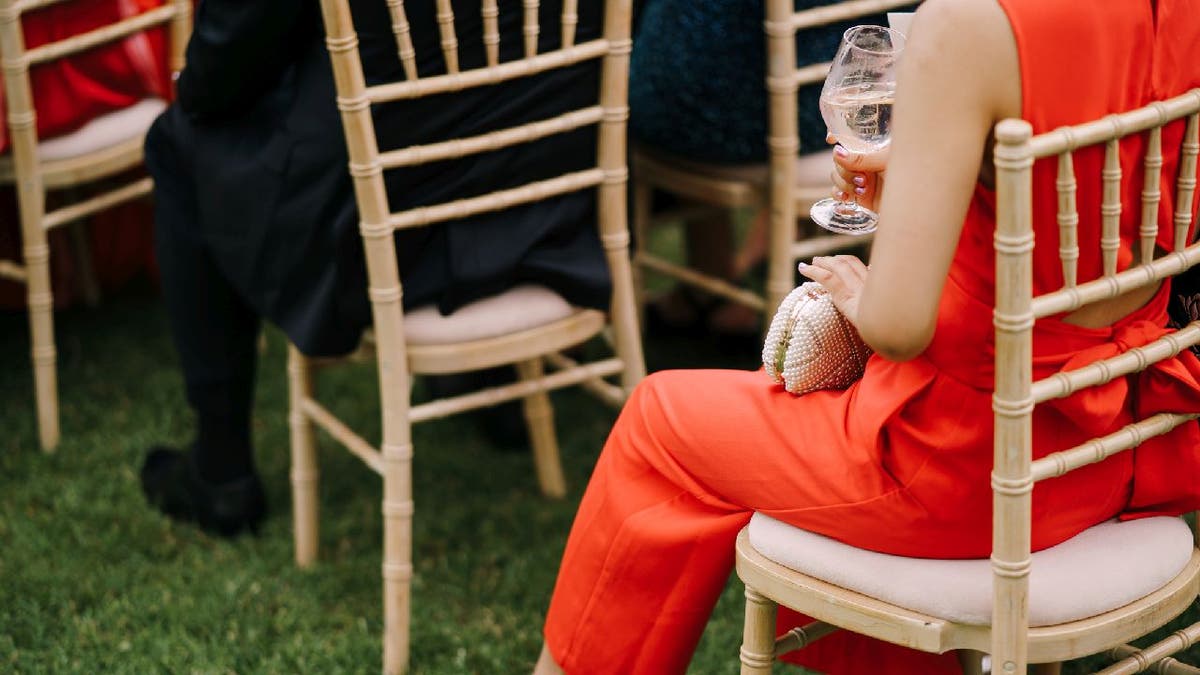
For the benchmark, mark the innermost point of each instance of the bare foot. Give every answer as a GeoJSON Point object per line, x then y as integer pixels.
{"type": "Point", "coordinates": [546, 665]}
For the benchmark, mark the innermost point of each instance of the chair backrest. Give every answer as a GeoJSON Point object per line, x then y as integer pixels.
{"type": "Point", "coordinates": [784, 79]}
{"type": "Point", "coordinates": [1017, 308]}
{"type": "Point", "coordinates": [367, 162]}
{"type": "Point", "coordinates": [17, 61]}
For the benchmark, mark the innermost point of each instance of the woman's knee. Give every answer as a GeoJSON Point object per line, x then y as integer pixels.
{"type": "Point", "coordinates": [656, 406]}
{"type": "Point", "coordinates": [650, 396]}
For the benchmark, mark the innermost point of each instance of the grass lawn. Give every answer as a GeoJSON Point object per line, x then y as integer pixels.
{"type": "Point", "coordinates": [92, 581]}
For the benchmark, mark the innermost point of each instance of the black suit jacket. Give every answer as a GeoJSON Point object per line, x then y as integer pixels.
{"type": "Point", "coordinates": [256, 134]}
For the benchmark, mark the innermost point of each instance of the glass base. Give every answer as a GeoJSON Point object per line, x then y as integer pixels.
{"type": "Point", "coordinates": [843, 217]}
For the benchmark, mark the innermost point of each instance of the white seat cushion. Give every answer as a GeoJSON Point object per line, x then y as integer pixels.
{"type": "Point", "coordinates": [1100, 569]}
{"type": "Point", "coordinates": [515, 310]}
{"type": "Point", "coordinates": [104, 131]}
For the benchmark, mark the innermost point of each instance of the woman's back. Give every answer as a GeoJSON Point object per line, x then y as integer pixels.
{"type": "Point", "coordinates": [1078, 63]}
{"type": "Point", "coordinates": [928, 419]}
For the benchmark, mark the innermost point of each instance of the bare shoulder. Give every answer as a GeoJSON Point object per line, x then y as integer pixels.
{"type": "Point", "coordinates": [974, 18]}
{"type": "Point", "coordinates": [972, 36]}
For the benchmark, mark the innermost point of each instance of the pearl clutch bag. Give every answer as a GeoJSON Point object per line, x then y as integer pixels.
{"type": "Point", "coordinates": [811, 345]}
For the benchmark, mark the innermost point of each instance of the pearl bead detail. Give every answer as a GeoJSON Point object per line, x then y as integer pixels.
{"type": "Point", "coordinates": [811, 345]}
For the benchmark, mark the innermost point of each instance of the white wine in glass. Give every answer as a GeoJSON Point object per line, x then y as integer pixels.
{"type": "Point", "coordinates": [856, 103]}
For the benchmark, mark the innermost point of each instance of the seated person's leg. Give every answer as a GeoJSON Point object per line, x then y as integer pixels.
{"type": "Point", "coordinates": [215, 334]}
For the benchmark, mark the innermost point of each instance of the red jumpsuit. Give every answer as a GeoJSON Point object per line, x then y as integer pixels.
{"type": "Point", "coordinates": [900, 461]}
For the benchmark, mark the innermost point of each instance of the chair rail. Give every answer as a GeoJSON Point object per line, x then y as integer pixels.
{"type": "Point", "coordinates": [480, 77]}
{"type": "Point", "coordinates": [84, 41]}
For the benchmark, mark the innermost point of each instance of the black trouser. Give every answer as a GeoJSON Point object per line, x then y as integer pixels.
{"type": "Point", "coordinates": [214, 330]}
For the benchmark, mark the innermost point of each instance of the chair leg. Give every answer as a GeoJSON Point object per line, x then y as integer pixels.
{"type": "Point", "coordinates": [304, 474]}
{"type": "Point", "coordinates": [781, 265]}
{"type": "Point", "coordinates": [397, 550]}
{"type": "Point", "coordinates": [971, 661]}
{"type": "Point", "coordinates": [758, 634]}
{"type": "Point", "coordinates": [40, 302]}
{"type": "Point", "coordinates": [81, 250]}
{"type": "Point", "coordinates": [539, 418]}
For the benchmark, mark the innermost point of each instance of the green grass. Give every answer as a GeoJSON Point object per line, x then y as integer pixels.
{"type": "Point", "coordinates": [92, 581]}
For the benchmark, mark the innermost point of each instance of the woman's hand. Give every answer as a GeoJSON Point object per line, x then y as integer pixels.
{"type": "Point", "coordinates": [858, 174]}
{"type": "Point", "coordinates": [843, 276]}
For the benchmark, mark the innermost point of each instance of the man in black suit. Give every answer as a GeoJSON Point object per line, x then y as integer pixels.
{"type": "Point", "coordinates": [255, 213]}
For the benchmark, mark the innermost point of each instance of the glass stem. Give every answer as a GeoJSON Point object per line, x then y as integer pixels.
{"type": "Point", "coordinates": [848, 206]}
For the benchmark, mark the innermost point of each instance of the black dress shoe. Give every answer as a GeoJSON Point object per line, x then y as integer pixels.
{"type": "Point", "coordinates": [172, 485]}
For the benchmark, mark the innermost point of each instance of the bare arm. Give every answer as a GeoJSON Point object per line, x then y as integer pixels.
{"type": "Point", "coordinates": [959, 76]}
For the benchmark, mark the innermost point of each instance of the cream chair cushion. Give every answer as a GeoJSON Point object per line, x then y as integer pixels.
{"type": "Point", "coordinates": [1100, 569]}
{"type": "Point", "coordinates": [104, 131]}
{"type": "Point", "coordinates": [520, 308]}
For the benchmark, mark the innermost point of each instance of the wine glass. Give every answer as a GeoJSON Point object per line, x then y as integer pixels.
{"type": "Point", "coordinates": [856, 103]}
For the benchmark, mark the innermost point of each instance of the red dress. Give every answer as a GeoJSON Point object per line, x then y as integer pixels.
{"type": "Point", "coordinates": [70, 92]}
{"type": "Point", "coordinates": [900, 461]}
{"type": "Point", "coordinates": [67, 94]}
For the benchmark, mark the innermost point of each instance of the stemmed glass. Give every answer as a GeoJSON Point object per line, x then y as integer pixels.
{"type": "Point", "coordinates": [856, 103]}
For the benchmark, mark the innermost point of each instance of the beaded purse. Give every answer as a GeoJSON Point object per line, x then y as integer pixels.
{"type": "Point", "coordinates": [811, 345]}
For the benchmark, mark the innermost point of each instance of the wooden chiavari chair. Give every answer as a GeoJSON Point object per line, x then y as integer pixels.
{"type": "Point", "coordinates": [1068, 601]}
{"type": "Point", "coordinates": [537, 325]}
{"type": "Point", "coordinates": [105, 147]}
{"type": "Point", "coordinates": [787, 185]}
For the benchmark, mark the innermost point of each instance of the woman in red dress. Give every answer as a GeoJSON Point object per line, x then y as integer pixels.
{"type": "Point", "coordinates": [900, 461]}
{"type": "Point", "coordinates": [69, 93]}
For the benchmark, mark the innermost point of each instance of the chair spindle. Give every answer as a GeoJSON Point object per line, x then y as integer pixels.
{"type": "Point", "coordinates": [408, 55]}
{"type": "Point", "coordinates": [1068, 220]}
{"type": "Point", "coordinates": [445, 19]}
{"type": "Point", "coordinates": [1151, 194]}
{"type": "Point", "coordinates": [1110, 207]}
{"type": "Point", "coordinates": [531, 27]}
{"type": "Point", "coordinates": [491, 31]}
{"type": "Point", "coordinates": [1186, 186]}
{"type": "Point", "coordinates": [181, 28]}
{"type": "Point", "coordinates": [570, 19]}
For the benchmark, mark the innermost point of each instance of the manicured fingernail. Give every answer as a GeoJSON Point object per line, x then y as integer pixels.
{"type": "Point", "coordinates": [860, 191]}
{"type": "Point", "coordinates": [860, 181]}
{"type": "Point", "coordinates": [840, 151]}
{"type": "Point", "coordinates": [801, 265]}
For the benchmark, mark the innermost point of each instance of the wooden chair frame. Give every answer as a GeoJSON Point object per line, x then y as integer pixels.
{"type": "Point", "coordinates": [1010, 640]}
{"type": "Point", "coordinates": [778, 190]}
{"type": "Point", "coordinates": [34, 177]}
{"type": "Point", "coordinates": [529, 350]}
